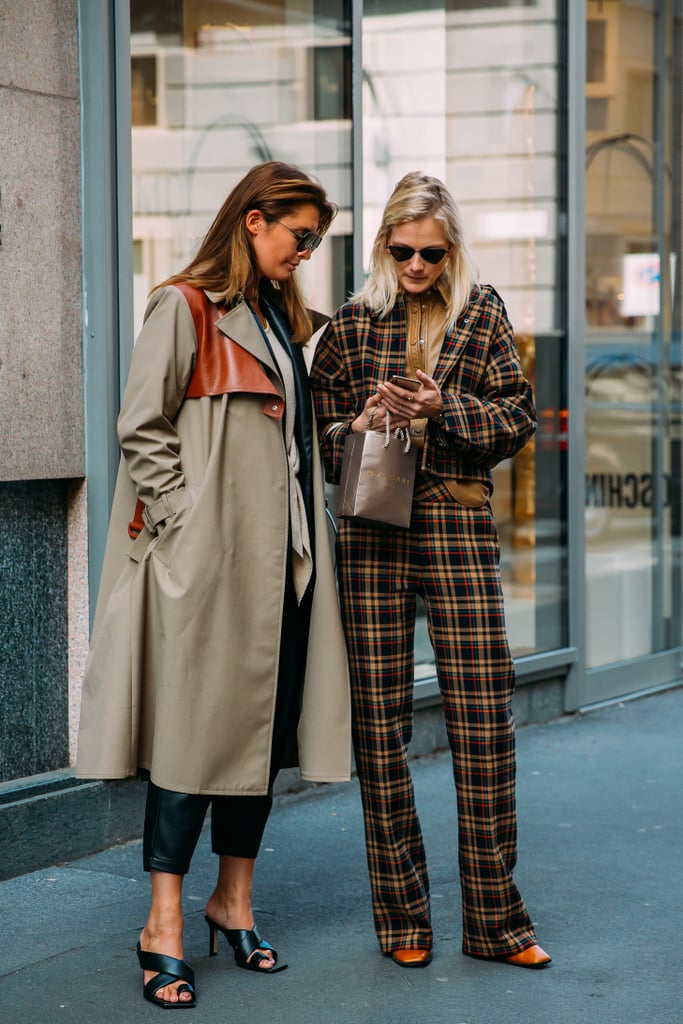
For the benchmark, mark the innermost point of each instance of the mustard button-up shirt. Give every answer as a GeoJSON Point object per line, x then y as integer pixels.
{"type": "Point", "coordinates": [425, 328]}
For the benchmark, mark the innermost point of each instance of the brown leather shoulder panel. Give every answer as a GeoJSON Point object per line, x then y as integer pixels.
{"type": "Point", "coordinates": [222, 365]}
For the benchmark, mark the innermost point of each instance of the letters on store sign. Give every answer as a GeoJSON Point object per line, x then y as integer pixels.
{"type": "Point", "coordinates": [625, 490]}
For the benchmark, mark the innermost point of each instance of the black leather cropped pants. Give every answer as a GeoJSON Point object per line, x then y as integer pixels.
{"type": "Point", "coordinates": [173, 821]}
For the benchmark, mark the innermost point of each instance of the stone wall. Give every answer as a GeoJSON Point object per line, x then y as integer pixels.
{"type": "Point", "coordinates": [41, 369]}
{"type": "Point", "coordinates": [42, 449]}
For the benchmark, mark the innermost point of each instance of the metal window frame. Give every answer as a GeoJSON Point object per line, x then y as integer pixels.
{"type": "Point", "coordinates": [576, 345]}
{"type": "Point", "coordinates": [104, 33]}
{"type": "Point", "coordinates": [357, 139]}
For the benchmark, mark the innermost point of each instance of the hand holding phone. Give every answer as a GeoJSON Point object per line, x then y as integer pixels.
{"type": "Point", "coordinates": [409, 383]}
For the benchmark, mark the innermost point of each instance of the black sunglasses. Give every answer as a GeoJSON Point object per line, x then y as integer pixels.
{"type": "Point", "coordinates": [308, 240]}
{"type": "Point", "coordinates": [403, 253]}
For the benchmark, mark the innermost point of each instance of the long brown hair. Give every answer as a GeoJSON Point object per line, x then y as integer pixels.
{"type": "Point", "coordinates": [225, 261]}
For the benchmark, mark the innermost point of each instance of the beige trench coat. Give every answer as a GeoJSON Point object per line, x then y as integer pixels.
{"type": "Point", "coordinates": [182, 672]}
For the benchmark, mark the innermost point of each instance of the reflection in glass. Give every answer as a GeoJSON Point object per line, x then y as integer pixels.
{"type": "Point", "coordinates": [218, 87]}
{"type": "Point", "coordinates": [633, 370]}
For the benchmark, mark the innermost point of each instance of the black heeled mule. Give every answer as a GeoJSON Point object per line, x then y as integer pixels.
{"type": "Point", "coordinates": [247, 946]}
{"type": "Point", "coordinates": [170, 970]}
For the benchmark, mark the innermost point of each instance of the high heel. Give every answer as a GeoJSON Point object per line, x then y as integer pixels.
{"type": "Point", "coordinates": [247, 946]}
{"type": "Point", "coordinates": [169, 970]}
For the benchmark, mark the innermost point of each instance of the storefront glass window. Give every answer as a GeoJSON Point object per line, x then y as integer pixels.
{"type": "Point", "coordinates": [469, 91]}
{"type": "Point", "coordinates": [464, 90]}
{"type": "Point", "coordinates": [633, 353]}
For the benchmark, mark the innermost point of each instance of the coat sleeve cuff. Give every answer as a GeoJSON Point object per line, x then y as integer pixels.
{"type": "Point", "coordinates": [163, 508]}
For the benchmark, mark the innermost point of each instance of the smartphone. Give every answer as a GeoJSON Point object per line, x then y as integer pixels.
{"type": "Point", "coordinates": [409, 383]}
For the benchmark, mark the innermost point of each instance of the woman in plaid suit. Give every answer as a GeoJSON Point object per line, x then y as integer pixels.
{"type": "Point", "coordinates": [422, 314]}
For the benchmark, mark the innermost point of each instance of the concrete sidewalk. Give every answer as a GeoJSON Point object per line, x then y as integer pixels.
{"type": "Point", "coordinates": [601, 848]}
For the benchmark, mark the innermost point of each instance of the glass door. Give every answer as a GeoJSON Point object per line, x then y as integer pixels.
{"type": "Point", "coordinates": [633, 354]}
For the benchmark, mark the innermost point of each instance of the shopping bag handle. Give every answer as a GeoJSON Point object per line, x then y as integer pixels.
{"type": "Point", "coordinates": [401, 434]}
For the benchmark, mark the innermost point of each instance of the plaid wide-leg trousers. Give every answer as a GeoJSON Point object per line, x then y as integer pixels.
{"type": "Point", "coordinates": [450, 556]}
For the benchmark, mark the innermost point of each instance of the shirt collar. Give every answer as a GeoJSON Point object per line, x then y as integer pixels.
{"type": "Point", "coordinates": [437, 293]}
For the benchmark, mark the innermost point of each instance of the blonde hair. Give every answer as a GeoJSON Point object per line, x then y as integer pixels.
{"type": "Point", "coordinates": [416, 196]}
{"type": "Point", "coordinates": [225, 261]}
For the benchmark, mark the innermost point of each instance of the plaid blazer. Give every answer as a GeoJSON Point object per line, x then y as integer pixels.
{"type": "Point", "coordinates": [488, 404]}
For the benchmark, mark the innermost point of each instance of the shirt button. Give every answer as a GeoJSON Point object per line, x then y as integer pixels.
{"type": "Point", "coordinates": [275, 408]}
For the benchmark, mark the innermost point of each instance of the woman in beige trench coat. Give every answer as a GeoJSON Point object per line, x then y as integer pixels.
{"type": "Point", "coordinates": [217, 654]}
